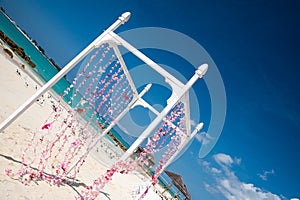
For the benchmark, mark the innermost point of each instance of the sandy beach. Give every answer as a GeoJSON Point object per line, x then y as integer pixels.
{"type": "Point", "coordinates": [17, 85]}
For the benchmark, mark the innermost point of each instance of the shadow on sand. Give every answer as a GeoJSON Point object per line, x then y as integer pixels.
{"type": "Point", "coordinates": [73, 183]}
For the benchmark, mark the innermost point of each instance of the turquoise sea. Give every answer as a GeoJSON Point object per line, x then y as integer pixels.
{"type": "Point", "coordinates": [44, 69]}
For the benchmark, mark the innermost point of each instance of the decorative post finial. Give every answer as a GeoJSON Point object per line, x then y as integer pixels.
{"type": "Point", "coordinates": [199, 126]}
{"type": "Point", "coordinates": [202, 69]}
{"type": "Point", "coordinates": [125, 17]}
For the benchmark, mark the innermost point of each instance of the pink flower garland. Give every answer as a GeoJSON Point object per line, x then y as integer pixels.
{"type": "Point", "coordinates": [61, 139]}
{"type": "Point", "coordinates": [128, 166]}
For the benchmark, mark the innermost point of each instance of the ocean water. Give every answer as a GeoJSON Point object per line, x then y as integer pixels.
{"type": "Point", "coordinates": [44, 69]}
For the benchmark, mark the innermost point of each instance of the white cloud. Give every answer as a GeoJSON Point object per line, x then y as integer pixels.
{"type": "Point", "coordinates": [209, 169]}
{"type": "Point", "coordinates": [238, 161]}
{"type": "Point", "coordinates": [223, 159]}
{"type": "Point", "coordinates": [229, 185]}
{"type": "Point", "coordinates": [205, 163]}
{"type": "Point", "coordinates": [232, 188]}
{"type": "Point", "coordinates": [215, 170]}
{"type": "Point", "coordinates": [265, 174]}
{"type": "Point", "coordinates": [210, 188]}
{"type": "Point", "coordinates": [204, 138]}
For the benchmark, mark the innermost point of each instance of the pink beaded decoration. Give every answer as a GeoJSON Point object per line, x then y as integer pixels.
{"type": "Point", "coordinates": [163, 133]}
{"type": "Point", "coordinates": [99, 85]}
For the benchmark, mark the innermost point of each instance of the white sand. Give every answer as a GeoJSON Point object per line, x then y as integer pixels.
{"type": "Point", "coordinates": [14, 90]}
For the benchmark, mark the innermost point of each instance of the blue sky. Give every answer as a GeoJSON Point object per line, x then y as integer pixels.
{"type": "Point", "coordinates": [255, 45]}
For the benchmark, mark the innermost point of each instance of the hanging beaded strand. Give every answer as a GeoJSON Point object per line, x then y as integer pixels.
{"type": "Point", "coordinates": [108, 111]}
{"type": "Point", "coordinates": [128, 166]}
{"type": "Point", "coordinates": [93, 99]}
{"type": "Point", "coordinates": [70, 121]}
{"type": "Point", "coordinates": [172, 146]}
{"type": "Point", "coordinates": [32, 144]}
